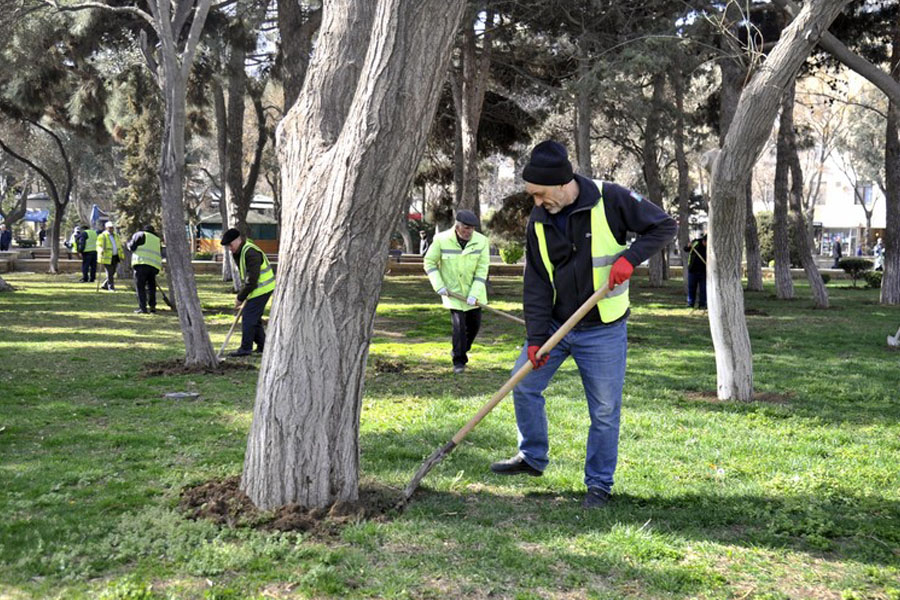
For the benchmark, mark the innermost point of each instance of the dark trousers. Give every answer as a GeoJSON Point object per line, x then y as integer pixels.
{"type": "Point", "coordinates": [110, 283]}
{"type": "Point", "coordinates": [696, 282]}
{"type": "Point", "coordinates": [145, 284]}
{"type": "Point", "coordinates": [88, 266]}
{"type": "Point", "coordinates": [251, 323]}
{"type": "Point", "coordinates": [466, 324]}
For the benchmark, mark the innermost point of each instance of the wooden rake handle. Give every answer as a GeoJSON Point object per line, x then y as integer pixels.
{"type": "Point", "coordinates": [490, 308]}
{"type": "Point", "coordinates": [230, 331]}
{"type": "Point", "coordinates": [525, 369]}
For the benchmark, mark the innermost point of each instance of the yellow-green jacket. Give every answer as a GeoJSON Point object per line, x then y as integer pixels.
{"type": "Point", "coordinates": [105, 248]}
{"type": "Point", "coordinates": [463, 271]}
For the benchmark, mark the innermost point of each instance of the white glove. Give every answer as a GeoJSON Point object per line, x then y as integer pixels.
{"type": "Point", "coordinates": [471, 301]}
{"type": "Point", "coordinates": [443, 292]}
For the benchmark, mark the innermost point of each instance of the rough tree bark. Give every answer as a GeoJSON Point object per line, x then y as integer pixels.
{"type": "Point", "coordinates": [5, 287]}
{"type": "Point", "coordinates": [298, 25]}
{"type": "Point", "coordinates": [348, 150]}
{"type": "Point", "coordinates": [746, 137]}
{"type": "Point", "coordinates": [784, 285]}
{"type": "Point", "coordinates": [221, 114]}
{"type": "Point", "coordinates": [583, 111]}
{"type": "Point", "coordinates": [890, 282]}
{"type": "Point", "coordinates": [469, 79]}
{"type": "Point", "coordinates": [652, 177]}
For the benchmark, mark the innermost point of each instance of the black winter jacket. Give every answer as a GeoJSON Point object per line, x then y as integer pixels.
{"type": "Point", "coordinates": [571, 253]}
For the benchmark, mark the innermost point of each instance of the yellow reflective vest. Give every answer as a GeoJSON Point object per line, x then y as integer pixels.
{"type": "Point", "coordinates": [105, 248]}
{"type": "Point", "coordinates": [460, 270]}
{"type": "Point", "coordinates": [266, 281]}
{"type": "Point", "coordinates": [605, 249]}
{"type": "Point", "coordinates": [90, 244]}
{"type": "Point", "coordinates": [148, 253]}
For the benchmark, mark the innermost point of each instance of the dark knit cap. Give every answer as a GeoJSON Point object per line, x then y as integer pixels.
{"type": "Point", "coordinates": [549, 165]}
{"type": "Point", "coordinates": [230, 235]}
{"type": "Point", "coordinates": [150, 229]}
{"type": "Point", "coordinates": [467, 217]}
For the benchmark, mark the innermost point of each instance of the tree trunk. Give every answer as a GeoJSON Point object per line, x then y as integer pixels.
{"type": "Point", "coordinates": [784, 285]}
{"type": "Point", "coordinates": [5, 287]}
{"type": "Point", "coordinates": [469, 86]}
{"type": "Point", "coordinates": [684, 183]}
{"type": "Point", "coordinates": [222, 153]}
{"type": "Point", "coordinates": [238, 205]}
{"type": "Point", "coordinates": [198, 348]}
{"type": "Point", "coordinates": [298, 27]}
{"type": "Point", "coordinates": [802, 241]}
{"type": "Point", "coordinates": [349, 149]}
{"type": "Point", "coordinates": [651, 168]}
{"type": "Point", "coordinates": [890, 282]}
{"type": "Point", "coordinates": [746, 137]}
{"type": "Point", "coordinates": [751, 246]}
{"type": "Point", "coordinates": [583, 112]}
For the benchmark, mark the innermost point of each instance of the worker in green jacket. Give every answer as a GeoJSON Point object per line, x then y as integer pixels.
{"type": "Point", "coordinates": [457, 261]}
{"type": "Point", "coordinates": [258, 283]}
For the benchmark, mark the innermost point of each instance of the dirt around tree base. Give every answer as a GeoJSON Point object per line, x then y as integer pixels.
{"type": "Point", "coordinates": [177, 367]}
{"type": "Point", "coordinates": [222, 502]}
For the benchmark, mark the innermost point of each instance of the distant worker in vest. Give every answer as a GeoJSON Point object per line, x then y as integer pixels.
{"type": "Point", "coordinates": [457, 261]}
{"type": "Point", "coordinates": [576, 244]}
{"type": "Point", "coordinates": [146, 260]}
{"type": "Point", "coordinates": [85, 244]}
{"type": "Point", "coordinates": [696, 272]}
{"type": "Point", "coordinates": [110, 253]}
{"type": "Point", "coordinates": [258, 279]}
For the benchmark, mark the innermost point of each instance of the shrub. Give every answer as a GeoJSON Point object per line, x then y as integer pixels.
{"type": "Point", "coordinates": [855, 267]}
{"type": "Point", "coordinates": [873, 279]}
{"type": "Point", "coordinates": [203, 256]}
{"type": "Point", "coordinates": [511, 252]}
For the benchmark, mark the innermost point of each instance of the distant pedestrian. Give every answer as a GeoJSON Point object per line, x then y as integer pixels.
{"type": "Point", "coordinates": [5, 238]}
{"type": "Point", "coordinates": [836, 252]}
{"type": "Point", "coordinates": [423, 242]}
{"type": "Point", "coordinates": [258, 280]}
{"type": "Point", "coordinates": [458, 261]}
{"type": "Point", "coordinates": [42, 235]}
{"type": "Point", "coordinates": [146, 260]}
{"type": "Point", "coordinates": [85, 244]}
{"type": "Point", "coordinates": [111, 253]}
{"type": "Point", "coordinates": [697, 273]}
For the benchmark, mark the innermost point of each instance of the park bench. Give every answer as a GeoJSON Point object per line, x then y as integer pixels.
{"type": "Point", "coordinates": [45, 253]}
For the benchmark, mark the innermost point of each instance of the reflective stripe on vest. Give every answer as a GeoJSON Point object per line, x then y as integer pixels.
{"type": "Point", "coordinates": [605, 249]}
{"type": "Point", "coordinates": [148, 253]}
{"type": "Point", "coordinates": [90, 244]}
{"type": "Point", "coordinates": [266, 281]}
{"type": "Point", "coordinates": [106, 240]}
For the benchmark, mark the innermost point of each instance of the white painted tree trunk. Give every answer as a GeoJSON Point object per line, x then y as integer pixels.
{"type": "Point", "coordinates": [890, 283]}
{"type": "Point", "coordinates": [349, 149]}
{"type": "Point", "coordinates": [745, 139]}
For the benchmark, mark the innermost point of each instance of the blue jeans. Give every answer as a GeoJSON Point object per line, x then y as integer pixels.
{"type": "Point", "coordinates": [696, 282]}
{"type": "Point", "coordinates": [599, 353]}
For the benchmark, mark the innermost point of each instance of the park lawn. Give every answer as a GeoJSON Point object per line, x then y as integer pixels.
{"type": "Point", "coordinates": [796, 495]}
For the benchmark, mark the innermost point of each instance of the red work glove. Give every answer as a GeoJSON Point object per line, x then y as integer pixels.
{"type": "Point", "coordinates": [621, 272]}
{"type": "Point", "coordinates": [535, 361]}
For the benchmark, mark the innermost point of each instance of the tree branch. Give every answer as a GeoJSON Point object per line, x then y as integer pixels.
{"type": "Point", "coordinates": [187, 59]}
{"type": "Point", "coordinates": [44, 175]}
{"type": "Point", "coordinates": [132, 10]}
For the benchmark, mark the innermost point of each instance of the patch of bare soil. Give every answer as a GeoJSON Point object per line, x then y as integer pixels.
{"type": "Point", "coordinates": [755, 312]}
{"type": "Point", "coordinates": [763, 397]}
{"type": "Point", "coordinates": [222, 502]}
{"type": "Point", "coordinates": [177, 367]}
{"type": "Point", "coordinates": [384, 365]}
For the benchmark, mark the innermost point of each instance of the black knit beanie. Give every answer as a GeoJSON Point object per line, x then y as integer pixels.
{"type": "Point", "coordinates": [549, 165]}
{"type": "Point", "coordinates": [230, 235]}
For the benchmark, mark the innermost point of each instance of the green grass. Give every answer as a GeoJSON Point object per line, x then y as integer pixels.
{"type": "Point", "coordinates": [797, 496]}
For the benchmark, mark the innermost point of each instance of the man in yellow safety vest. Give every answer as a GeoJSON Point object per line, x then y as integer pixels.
{"type": "Point", "coordinates": [576, 243]}
{"type": "Point", "coordinates": [258, 280]}
{"type": "Point", "coordinates": [146, 260]}
{"type": "Point", "coordinates": [109, 253]}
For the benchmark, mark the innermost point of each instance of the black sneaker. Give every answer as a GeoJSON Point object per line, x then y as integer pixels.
{"type": "Point", "coordinates": [514, 466]}
{"type": "Point", "coordinates": [459, 369]}
{"type": "Point", "coordinates": [153, 310]}
{"type": "Point", "coordinates": [240, 352]}
{"type": "Point", "coordinates": [258, 350]}
{"type": "Point", "coordinates": [596, 498]}
{"type": "Point", "coordinates": [140, 311]}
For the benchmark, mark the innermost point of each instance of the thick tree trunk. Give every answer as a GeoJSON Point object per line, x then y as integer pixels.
{"type": "Point", "coordinates": [784, 285]}
{"type": "Point", "coordinates": [652, 176]}
{"type": "Point", "coordinates": [5, 287]}
{"type": "Point", "coordinates": [684, 183]}
{"type": "Point", "coordinates": [198, 347]}
{"type": "Point", "coordinates": [746, 137]}
{"type": "Point", "coordinates": [238, 204]}
{"type": "Point", "coordinates": [221, 114]}
{"type": "Point", "coordinates": [469, 86]}
{"type": "Point", "coordinates": [890, 282]}
{"type": "Point", "coordinates": [349, 148]}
